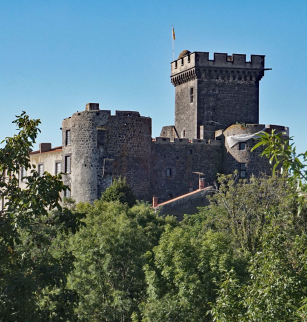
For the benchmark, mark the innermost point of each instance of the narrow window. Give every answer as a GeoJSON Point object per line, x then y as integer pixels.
{"type": "Point", "coordinates": [67, 164]}
{"type": "Point", "coordinates": [242, 146]}
{"type": "Point", "coordinates": [67, 138]}
{"type": "Point", "coordinates": [67, 193]}
{"type": "Point", "coordinates": [183, 133]}
{"type": "Point", "coordinates": [176, 64]}
{"type": "Point", "coordinates": [191, 95]}
{"type": "Point", "coordinates": [190, 152]}
{"type": "Point", "coordinates": [189, 60]}
{"type": "Point", "coordinates": [58, 167]}
{"type": "Point", "coordinates": [242, 170]}
{"type": "Point", "coordinates": [181, 61]}
{"type": "Point", "coordinates": [168, 172]}
{"type": "Point", "coordinates": [40, 169]}
{"type": "Point", "coordinates": [23, 173]}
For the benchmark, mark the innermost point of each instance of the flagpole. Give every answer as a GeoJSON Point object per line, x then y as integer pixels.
{"type": "Point", "coordinates": [173, 38]}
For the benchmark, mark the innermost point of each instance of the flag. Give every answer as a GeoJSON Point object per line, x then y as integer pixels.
{"type": "Point", "coordinates": [173, 33]}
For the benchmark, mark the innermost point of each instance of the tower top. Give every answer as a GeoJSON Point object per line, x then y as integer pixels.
{"type": "Point", "coordinates": [187, 60]}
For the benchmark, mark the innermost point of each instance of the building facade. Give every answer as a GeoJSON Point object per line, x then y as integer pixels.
{"type": "Point", "coordinates": [214, 100]}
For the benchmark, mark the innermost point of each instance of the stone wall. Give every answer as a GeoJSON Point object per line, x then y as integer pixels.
{"type": "Point", "coordinates": [255, 164]}
{"type": "Point", "coordinates": [173, 164]}
{"type": "Point", "coordinates": [104, 146]}
{"type": "Point", "coordinates": [225, 91]}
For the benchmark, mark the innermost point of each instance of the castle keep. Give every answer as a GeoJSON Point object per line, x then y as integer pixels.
{"type": "Point", "coordinates": [214, 100]}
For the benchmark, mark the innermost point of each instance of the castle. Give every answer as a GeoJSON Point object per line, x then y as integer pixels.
{"type": "Point", "coordinates": [216, 117]}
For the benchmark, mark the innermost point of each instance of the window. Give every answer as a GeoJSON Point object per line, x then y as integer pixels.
{"type": "Point", "coordinates": [101, 136]}
{"type": "Point", "coordinates": [183, 133]}
{"type": "Point", "coordinates": [23, 173]}
{"type": "Point", "coordinates": [190, 152]}
{"type": "Point", "coordinates": [67, 193]}
{"type": "Point", "coordinates": [175, 64]}
{"type": "Point", "coordinates": [40, 169]}
{"type": "Point", "coordinates": [191, 95]}
{"type": "Point", "coordinates": [189, 60]}
{"type": "Point", "coordinates": [67, 164]}
{"type": "Point", "coordinates": [168, 172]}
{"type": "Point", "coordinates": [58, 167]}
{"type": "Point", "coordinates": [242, 146]}
{"type": "Point", "coordinates": [181, 61]}
{"type": "Point", "coordinates": [67, 138]}
{"type": "Point", "coordinates": [242, 170]}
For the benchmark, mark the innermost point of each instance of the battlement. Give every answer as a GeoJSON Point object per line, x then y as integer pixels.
{"type": "Point", "coordinates": [163, 140]}
{"type": "Point", "coordinates": [221, 60]}
{"type": "Point", "coordinates": [127, 113]}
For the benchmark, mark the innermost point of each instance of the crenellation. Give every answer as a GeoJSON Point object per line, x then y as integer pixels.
{"type": "Point", "coordinates": [214, 99]}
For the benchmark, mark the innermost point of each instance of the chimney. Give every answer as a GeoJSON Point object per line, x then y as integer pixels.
{"type": "Point", "coordinates": [92, 107]}
{"type": "Point", "coordinates": [154, 201]}
{"type": "Point", "coordinates": [44, 147]}
{"type": "Point", "coordinates": [201, 183]}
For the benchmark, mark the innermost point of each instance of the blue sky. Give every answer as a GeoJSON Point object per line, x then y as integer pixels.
{"type": "Point", "coordinates": [56, 56]}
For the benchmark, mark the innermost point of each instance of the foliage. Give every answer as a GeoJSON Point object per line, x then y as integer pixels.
{"type": "Point", "coordinates": [110, 257]}
{"type": "Point", "coordinates": [277, 267]}
{"type": "Point", "coordinates": [119, 191]}
{"type": "Point", "coordinates": [34, 262]}
{"type": "Point", "coordinates": [240, 208]}
{"type": "Point", "coordinates": [183, 273]}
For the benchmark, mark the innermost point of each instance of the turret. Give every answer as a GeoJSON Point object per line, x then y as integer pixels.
{"type": "Point", "coordinates": [213, 94]}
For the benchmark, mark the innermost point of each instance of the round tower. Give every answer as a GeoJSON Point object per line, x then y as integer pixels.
{"type": "Point", "coordinates": [98, 147]}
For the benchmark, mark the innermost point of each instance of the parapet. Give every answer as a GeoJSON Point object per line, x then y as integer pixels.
{"type": "Point", "coordinates": [92, 107]}
{"type": "Point", "coordinates": [127, 113]}
{"type": "Point", "coordinates": [221, 60]}
{"type": "Point", "coordinates": [163, 140]}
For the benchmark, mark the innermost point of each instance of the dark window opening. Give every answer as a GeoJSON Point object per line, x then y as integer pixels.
{"type": "Point", "coordinates": [176, 64]}
{"type": "Point", "coordinates": [181, 61]}
{"type": "Point", "coordinates": [189, 60]}
{"type": "Point", "coordinates": [67, 138]}
{"type": "Point", "coordinates": [101, 137]}
{"type": "Point", "coordinates": [191, 95]}
{"type": "Point", "coordinates": [242, 170]}
{"type": "Point", "coordinates": [183, 134]}
{"type": "Point", "coordinates": [242, 146]}
{"type": "Point", "coordinates": [67, 164]}
{"type": "Point", "coordinates": [168, 172]}
{"type": "Point", "coordinates": [190, 152]}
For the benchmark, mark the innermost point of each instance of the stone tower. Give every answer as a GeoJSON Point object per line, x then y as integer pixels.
{"type": "Point", "coordinates": [213, 94]}
{"type": "Point", "coordinates": [98, 147]}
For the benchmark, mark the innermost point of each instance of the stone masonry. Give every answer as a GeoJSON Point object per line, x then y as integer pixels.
{"type": "Point", "coordinates": [214, 99]}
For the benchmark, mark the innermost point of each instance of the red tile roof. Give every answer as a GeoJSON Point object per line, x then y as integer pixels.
{"type": "Point", "coordinates": [56, 149]}
{"type": "Point", "coordinates": [181, 197]}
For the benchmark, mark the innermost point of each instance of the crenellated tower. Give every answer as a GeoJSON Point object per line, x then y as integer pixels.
{"type": "Point", "coordinates": [213, 94]}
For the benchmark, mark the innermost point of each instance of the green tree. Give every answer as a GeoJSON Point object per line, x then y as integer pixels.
{"type": "Point", "coordinates": [110, 252]}
{"type": "Point", "coordinates": [119, 191]}
{"type": "Point", "coordinates": [241, 208]}
{"type": "Point", "coordinates": [277, 266]}
{"type": "Point", "coordinates": [184, 272]}
{"type": "Point", "coordinates": [34, 262]}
